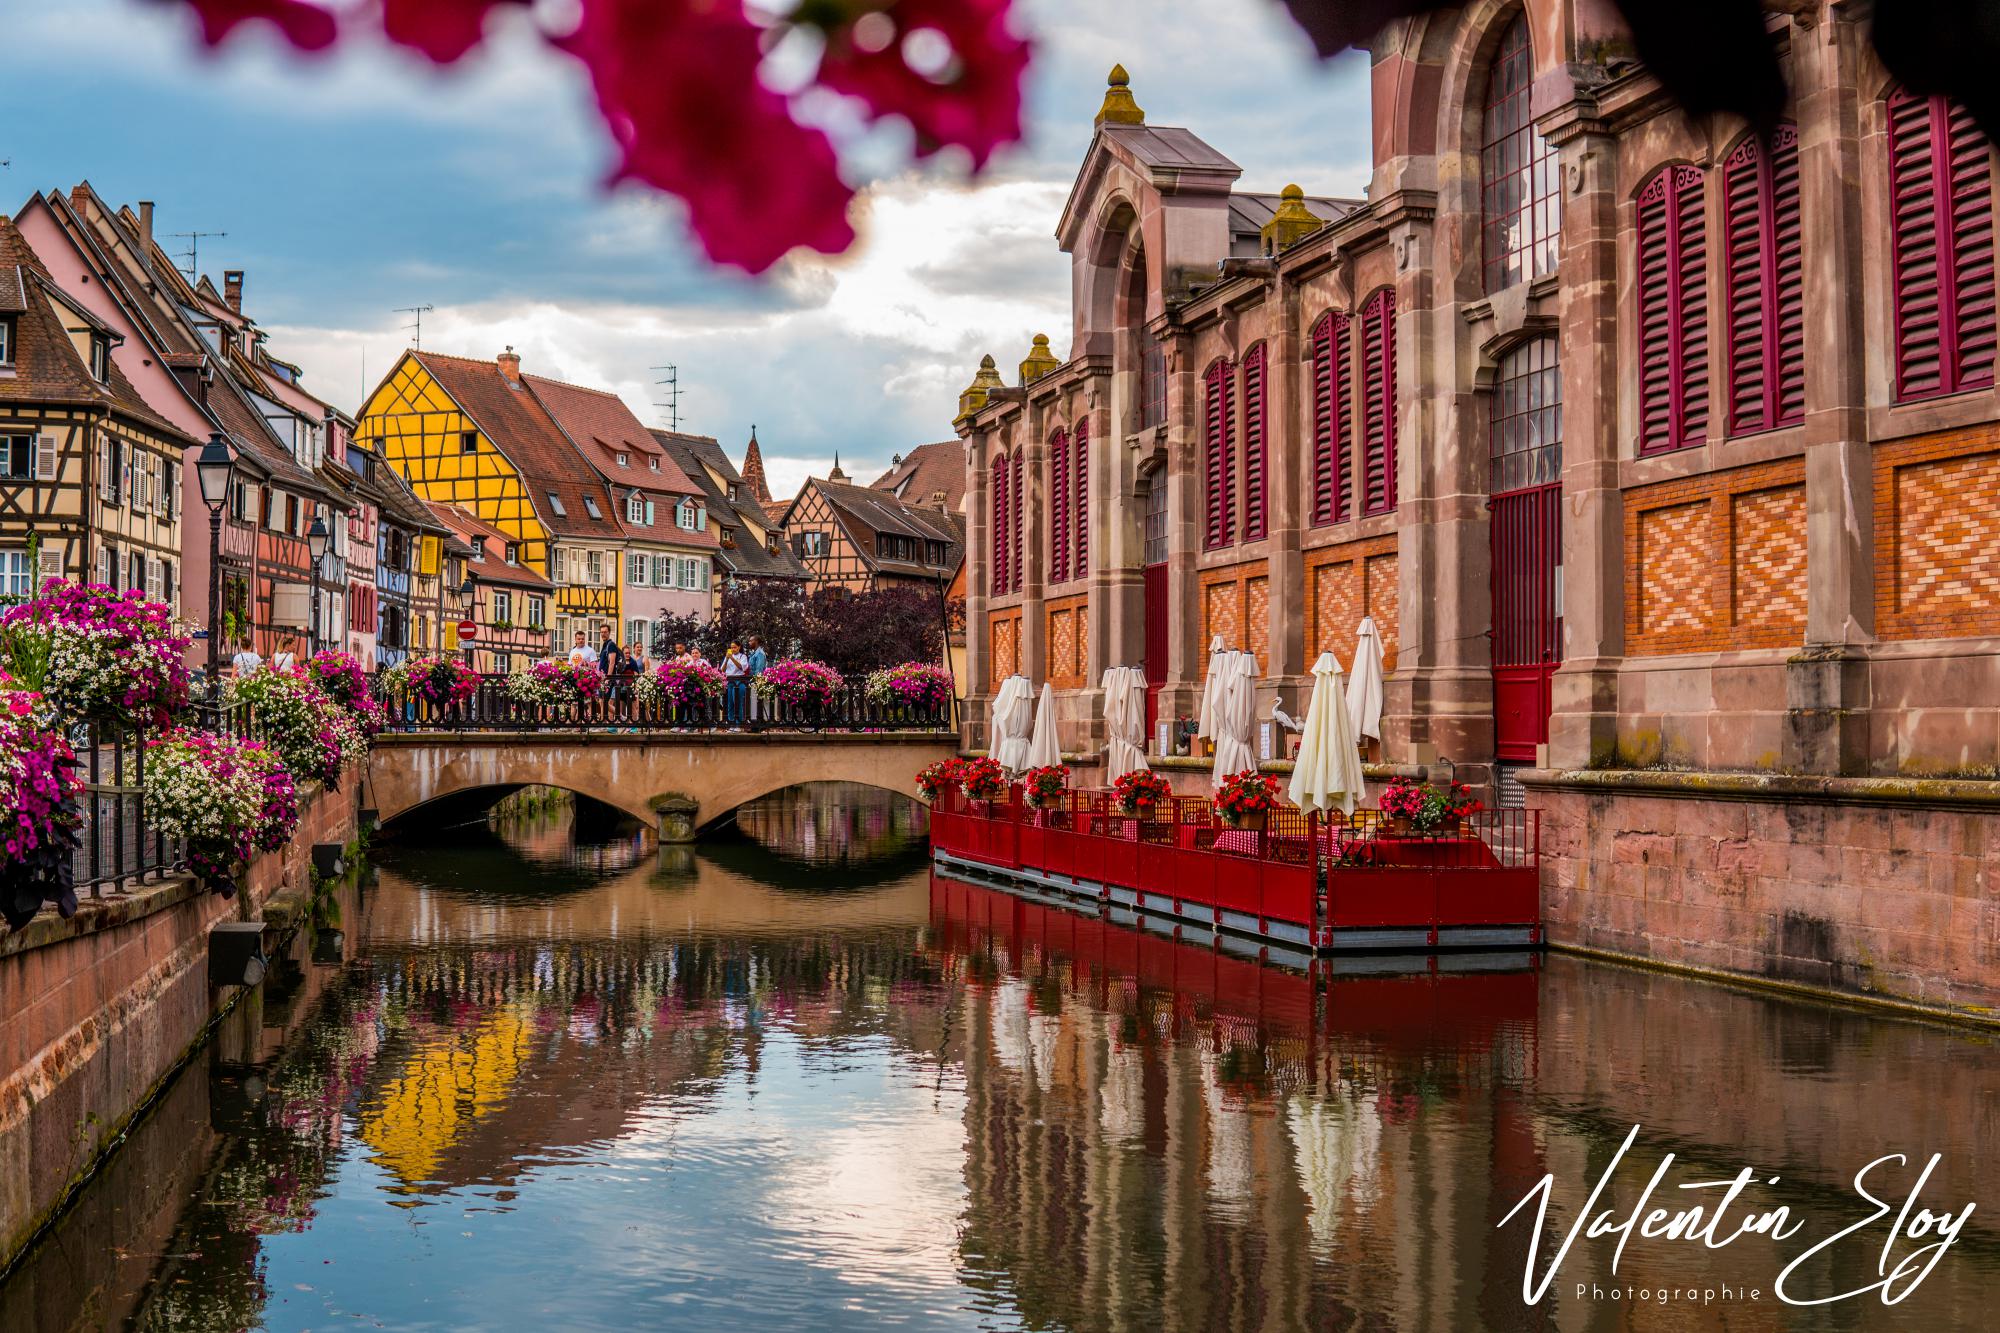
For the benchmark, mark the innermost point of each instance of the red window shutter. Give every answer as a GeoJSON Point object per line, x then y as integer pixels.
{"type": "Point", "coordinates": [1971, 228]}
{"type": "Point", "coordinates": [1914, 242]}
{"type": "Point", "coordinates": [1015, 548]}
{"type": "Point", "coordinates": [997, 580]}
{"type": "Point", "coordinates": [1941, 224]}
{"type": "Point", "coordinates": [1673, 312]}
{"type": "Point", "coordinates": [1378, 355]}
{"type": "Point", "coordinates": [1058, 507]}
{"type": "Point", "coordinates": [1080, 497]}
{"type": "Point", "coordinates": [1333, 374]}
{"type": "Point", "coordinates": [1764, 274]}
{"type": "Point", "coordinates": [1255, 464]}
{"type": "Point", "coordinates": [1220, 458]}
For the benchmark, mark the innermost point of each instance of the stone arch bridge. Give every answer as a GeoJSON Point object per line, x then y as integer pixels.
{"type": "Point", "coordinates": [676, 783]}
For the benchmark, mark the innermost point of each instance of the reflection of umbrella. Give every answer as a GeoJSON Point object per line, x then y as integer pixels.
{"type": "Point", "coordinates": [1124, 722]}
{"type": "Point", "coordinates": [1338, 1143]}
{"type": "Point", "coordinates": [1364, 691]}
{"type": "Point", "coordinates": [1232, 712]}
{"type": "Point", "coordinates": [1044, 749]}
{"type": "Point", "coordinates": [1013, 711]}
{"type": "Point", "coordinates": [1205, 720]}
{"type": "Point", "coordinates": [1327, 774]}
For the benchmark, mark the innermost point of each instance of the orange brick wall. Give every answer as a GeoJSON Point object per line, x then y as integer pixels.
{"type": "Point", "coordinates": [1004, 645]}
{"type": "Point", "coordinates": [1069, 641]}
{"type": "Point", "coordinates": [1937, 535]}
{"type": "Point", "coordinates": [1343, 584]}
{"type": "Point", "coordinates": [1717, 561]}
{"type": "Point", "coordinates": [1235, 603]}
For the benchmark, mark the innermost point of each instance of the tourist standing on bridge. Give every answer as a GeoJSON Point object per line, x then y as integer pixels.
{"type": "Point", "coordinates": [581, 655]}
{"type": "Point", "coordinates": [758, 661]}
{"type": "Point", "coordinates": [736, 678]}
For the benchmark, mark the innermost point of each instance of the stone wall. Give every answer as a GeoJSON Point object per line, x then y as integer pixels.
{"type": "Point", "coordinates": [1887, 888]}
{"type": "Point", "coordinates": [101, 1008]}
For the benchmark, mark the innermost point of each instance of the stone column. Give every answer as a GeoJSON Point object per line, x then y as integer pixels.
{"type": "Point", "coordinates": [978, 564]}
{"type": "Point", "coordinates": [1288, 462]}
{"type": "Point", "coordinates": [1031, 442]}
{"type": "Point", "coordinates": [1112, 586]}
{"type": "Point", "coordinates": [1827, 686]}
{"type": "Point", "coordinates": [1583, 726]}
{"type": "Point", "coordinates": [1186, 654]}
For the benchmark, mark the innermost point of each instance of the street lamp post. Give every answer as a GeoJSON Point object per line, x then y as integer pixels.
{"type": "Point", "coordinates": [213, 470]}
{"type": "Point", "coordinates": [468, 609]}
{"type": "Point", "coordinates": [316, 540]}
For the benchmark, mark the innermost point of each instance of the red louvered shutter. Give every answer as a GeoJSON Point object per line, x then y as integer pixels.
{"type": "Point", "coordinates": [1941, 223]}
{"type": "Point", "coordinates": [1764, 273]}
{"type": "Point", "coordinates": [1059, 507]}
{"type": "Point", "coordinates": [1333, 373]}
{"type": "Point", "coordinates": [1220, 458]}
{"type": "Point", "coordinates": [1080, 497]}
{"type": "Point", "coordinates": [1914, 240]}
{"type": "Point", "coordinates": [1673, 312]}
{"type": "Point", "coordinates": [1015, 549]}
{"type": "Point", "coordinates": [1378, 355]}
{"type": "Point", "coordinates": [1255, 464]}
{"type": "Point", "coordinates": [1971, 227]}
{"type": "Point", "coordinates": [997, 580]}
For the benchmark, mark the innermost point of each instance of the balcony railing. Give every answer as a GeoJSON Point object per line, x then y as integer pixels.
{"type": "Point", "coordinates": [493, 708]}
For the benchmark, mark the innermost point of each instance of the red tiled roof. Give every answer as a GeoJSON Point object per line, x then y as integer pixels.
{"type": "Point", "coordinates": [494, 568]}
{"type": "Point", "coordinates": [926, 470]}
{"type": "Point", "coordinates": [523, 431]}
{"type": "Point", "coordinates": [596, 418]}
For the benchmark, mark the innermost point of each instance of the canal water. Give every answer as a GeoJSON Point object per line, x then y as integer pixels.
{"type": "Point", "coordinates": [541, 1075]}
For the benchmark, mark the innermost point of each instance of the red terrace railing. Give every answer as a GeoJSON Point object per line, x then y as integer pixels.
{"type": "Point", "coordinates": [1302, 870]}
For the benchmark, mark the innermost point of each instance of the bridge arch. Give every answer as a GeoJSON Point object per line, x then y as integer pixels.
{"type": "Point", "coordinates": [672, 782]}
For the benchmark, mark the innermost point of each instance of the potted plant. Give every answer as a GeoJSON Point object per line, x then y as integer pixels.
{"type": "Point", "coordinates": [1141, 793]}
{"type": "Point", "coordinates": [223, 798]}
{"type": "Point", "coordinates": [1044, 788]}
{"type": "Point", "coordinates": [934, 779]}
{"type": "Point", "coordinates": [1424, 807]}
{"type": "Point", "coordinates": [922, 687]}
{"type": "Point", "coordinates": [807, 688]}
{"type": "Point", "coordinates": [1245, 800]}
{"type": "Point", "coordinates": [692, 688]}
{"type": "Point", "coordinates": [983, 781]}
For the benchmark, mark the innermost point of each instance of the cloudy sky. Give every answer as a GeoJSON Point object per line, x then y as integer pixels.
{"type": "Point", "coordinates": [354, 185]}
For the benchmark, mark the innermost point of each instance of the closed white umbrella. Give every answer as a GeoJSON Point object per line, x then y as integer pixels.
{"type": "Point", "coordinates": [1013, 713]}
{"type": "Point", "coordinates": [1205, 719]}
{"type": "Point", "coordinates": [1364, 690]}
{"type": "Point", "coordinates": [1232, 708]}
{"type": "Point", "coordinates": [1327, 773]}
{"type": "Point", "coordinates": [1043, 747]}
{"type": "Point", "coordinates": [1124, 722]}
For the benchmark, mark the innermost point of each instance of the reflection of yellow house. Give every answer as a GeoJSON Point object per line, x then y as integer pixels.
{"type": "Point", "coordinates": [453, 1080]}
{"type": "Point", "coordinates": [474, 434]}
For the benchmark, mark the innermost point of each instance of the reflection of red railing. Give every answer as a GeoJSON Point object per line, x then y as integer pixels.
{"type": "Point", "coordinates": [1326, 876]}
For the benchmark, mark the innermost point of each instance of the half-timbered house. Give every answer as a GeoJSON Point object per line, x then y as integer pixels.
{"type": "Point", "coordinates": [749, 544]}
{"type": "Point", "coordinates": [509, 604]}
{"type": "Point", "coordinates": [89, 471]}
{"type": "Point", "coordinates": [863, 539]}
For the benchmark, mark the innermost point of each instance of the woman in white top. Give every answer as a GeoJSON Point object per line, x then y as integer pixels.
{"type": "Point", "coordinates": [284, 659]}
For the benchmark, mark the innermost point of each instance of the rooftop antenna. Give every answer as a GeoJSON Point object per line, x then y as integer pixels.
{"type": "Point", "coordinates": [419, 311]}
{"type": "Point", "coordinates": [670, 401]}
{"type": "Point", "coordinates": [193, 251]}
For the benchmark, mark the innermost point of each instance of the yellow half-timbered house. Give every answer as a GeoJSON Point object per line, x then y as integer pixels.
{"type": "Point", "coordinates": [473, 435]}
{"type": "Point", "coordinates": [87, 469]}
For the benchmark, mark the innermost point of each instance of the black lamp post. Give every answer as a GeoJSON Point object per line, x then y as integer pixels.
{"type": "Point", "coordinates": [316, 539]}
{"type": "Point", "coordinates": [213, 470]}
{"type": "Point", "coordinates": [467, 608]}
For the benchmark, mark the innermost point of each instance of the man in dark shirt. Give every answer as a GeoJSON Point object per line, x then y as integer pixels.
{"type": "Point", "coordinates": [608, 652]}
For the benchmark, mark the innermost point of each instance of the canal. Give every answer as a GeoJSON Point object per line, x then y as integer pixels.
{"type": "Point", "coordinates": [535, 1073]}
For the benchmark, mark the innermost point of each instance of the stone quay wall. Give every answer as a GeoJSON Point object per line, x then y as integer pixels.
{"type": "Point", "coordinates": [1881, 888]}
{"type": "Point", "coordinates": [101, 1009]}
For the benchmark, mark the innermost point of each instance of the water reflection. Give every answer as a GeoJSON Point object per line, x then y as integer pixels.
{"type": "Point", "coordinates": [709, 1092]}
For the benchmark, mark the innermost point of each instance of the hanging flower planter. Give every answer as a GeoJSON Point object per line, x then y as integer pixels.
{"type": "Point", "coordinates": [39, 819]}
{"type": "Point", "coordinates": [98, 655]}
{"type": "Point", "coordinates": [223, 798]}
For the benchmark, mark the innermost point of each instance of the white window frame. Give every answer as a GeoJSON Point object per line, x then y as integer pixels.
{"type": "Point", "coordinates": [17, 579]}
{"type": "Point", "coordinates": [503, 604]}
{"type": "Point", "coordinates": [537, 611]}
{"type": "Point", "coordinates": [635, 509]}
{"type": "Point", "coordinates": [637, 567]}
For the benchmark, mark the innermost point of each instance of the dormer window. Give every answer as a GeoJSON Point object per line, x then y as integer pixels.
{"type": "Point", "coordinates": [100, 359]}
{"type": "Point", "coordinates": [732, 493]}
{"type": "Point", "coordinates": [513, 554]}
{"type": "Point", "coordinates": [635, 510]}
{"type": "Point", "coordinates": [688, 516]}
{"type": "Point", "coordinates": [653, 463]}
{"type": "Point", "coordinates": [624, 460]}
{"type": "Point", "coordinates": [6, 342]}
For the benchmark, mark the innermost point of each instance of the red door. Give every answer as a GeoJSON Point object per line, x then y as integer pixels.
{"type": "Point", "coordinates": [1527, 624]}
{"type": "Point", "coordinates": [1156, 644]}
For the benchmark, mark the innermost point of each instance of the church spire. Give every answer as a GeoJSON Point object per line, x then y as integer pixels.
{"type": "Point", "coordinates": [836, 474]}
{"type": "Point", "coordinates": [753, 470]}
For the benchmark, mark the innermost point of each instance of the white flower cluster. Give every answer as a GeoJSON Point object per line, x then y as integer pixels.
{"type": "Point", "coordinates": [525, 687]}
{"type": "Point", "coordinates": [190, 795]}
{"type": "Point", "coordinates": [296, 714]}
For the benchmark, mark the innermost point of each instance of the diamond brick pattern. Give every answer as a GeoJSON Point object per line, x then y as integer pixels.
{"type": "Point", "coordinates": [1222, 614]}
{"type": "Point", "coordinates": [1767, 567]}
{"type": "Point", "coordinates": [1257, 593]}
{"type": "Point", "coordinates": [1336, 610]}
{"type": "Point", "coordinates": [1674, 570]}
{"type": "Point", "coordinates": [1069, 647]}
{"type": "Point", "coordinates": [1948, 536]}
{"type": "Point", "coordinates": [1004, 640]}
{"type": "Point", "coordinates": [1347, 582]}
{"type": "Point", "coordinates": [1384, 602]}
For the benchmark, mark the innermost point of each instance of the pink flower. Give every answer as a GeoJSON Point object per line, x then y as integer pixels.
{"type": "Point", "coordinates": [444, 30]}
{"type": "Point", "coordinates": [970, 96]}
{"type": "Point", "coordinates": [307, 26]}
{"type": "Point", "coordinates": [678, 86]}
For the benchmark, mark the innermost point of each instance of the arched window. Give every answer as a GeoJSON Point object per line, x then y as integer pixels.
{"type": "Point", "coordinates": [1673, 312]}
{"type": "Point", "coordinates": [1255, 434]}
{"type": "Point", "coordinates": [1526, 421]}
{"type": "Point", "coordinates": [1059, 506]}
{"type": "Point", "coordinates": [997, 580]}
{"type": "Point", "coordinates": [1765, 272]}
{"type": "Point", "coordinates": [1219, 456]}
{"type": "Point", "coordinates": [1080, 498]}
{"type": "Point", "coordinates": [1520, 198]}
{"type": "Point", "coordinates": [1015, 549]}
{"type": "Point", "coordinates": [1941, 221]}
{"type": "Point", "coordinates": [1333, 412]}
{"type": "Point", "coordinates": [1378, 422]}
